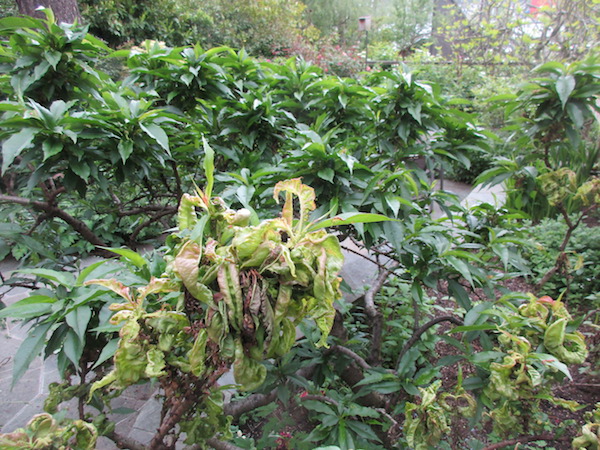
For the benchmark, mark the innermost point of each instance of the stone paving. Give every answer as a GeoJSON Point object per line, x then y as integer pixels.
{"type": "Point", "coordinates": [25, 399]}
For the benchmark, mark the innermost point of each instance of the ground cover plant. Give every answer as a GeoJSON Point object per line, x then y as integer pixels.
{"type": "Point", "coordinates": [438, 342]}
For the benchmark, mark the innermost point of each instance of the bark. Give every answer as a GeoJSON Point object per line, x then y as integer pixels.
{"type": "Point", "coordinates": [521, 440]}
{"type": "Point", "coordinates": [50, 210]}
{"type": "Point", "coordinates": [64, 10]}
{"type": "Point", "coordinates": [375, 317]}
{"type": "Point", "coordinates": [419, 332]}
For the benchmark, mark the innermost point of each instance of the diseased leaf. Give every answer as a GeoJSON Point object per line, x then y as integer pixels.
{"type": "Point", "coordinates": [197, 354]}
{"type": "Point", "coordinates": [209, 167]}
{"type": "Point", "coordinates": [250, 374]}
{"type": "Point", "coordinates": [115, 286]}
{"type": "Point", "coordinates": [305, 194]}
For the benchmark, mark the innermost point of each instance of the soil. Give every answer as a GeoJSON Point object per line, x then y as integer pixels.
{"type": "Point", "coordinates": [584, 388]}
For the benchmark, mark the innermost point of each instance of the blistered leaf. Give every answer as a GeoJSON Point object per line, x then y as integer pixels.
{"type": "Point", "coordinates": [155, 286]}
{"type": "Point", "coordinates": [114, 285]}
{"type": "Point", "coordinates": [156, 363]}
{"type": "Point", "coordinates": [186, 214]}
{"type": "Point", "coordinates": [556, 341]}
{"type": "Point", "coordinates": [187, 266]}
{"type": "Point", "coordinates": [229, 286]}
{"type": "Point", "coordinates": [558, 185]}
{"type": "Point", "coordinates": [197, 354]}
{"type": "Point", "coordinates": [209, 167]}
{"type": "Point", "coordinates": [306, 197]}
{"type": "Point", "coordinates": [248, 373]}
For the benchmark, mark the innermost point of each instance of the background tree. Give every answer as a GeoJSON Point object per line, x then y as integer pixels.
{"type": "Point", "coordinates": [560, 30]}
{"type": "Point", "coordinates": [64, 10]}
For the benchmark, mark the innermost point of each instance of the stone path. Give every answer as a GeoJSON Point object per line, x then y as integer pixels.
{"type": "Point", "coordinates": [26, 398]}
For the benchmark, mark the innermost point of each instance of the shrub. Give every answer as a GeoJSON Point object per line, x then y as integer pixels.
{"type": "Point", "coordinates": [583, 258]}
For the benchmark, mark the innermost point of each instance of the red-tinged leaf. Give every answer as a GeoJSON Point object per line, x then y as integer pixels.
{"type": "Point", "coordinates": [116, 286]}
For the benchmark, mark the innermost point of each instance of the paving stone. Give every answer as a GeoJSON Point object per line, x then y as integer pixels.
{"type": "Point", "coordinates": [148, 418]}
{"type": "Point", "coordinates": [142, 436]}
{"type": "Point", "coordinates": [22, 413]}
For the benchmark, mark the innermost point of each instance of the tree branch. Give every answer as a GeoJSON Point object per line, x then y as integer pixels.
{"type": "Point", "coordinates": [346, 351]}
{"type": "Point", "coordinates": [168, 211]}
{"type": "Point", "coordinates": [419, 332]}
{"type": "Point", "coordinates": [521, 440]}
{"type": "Point", "coordinates": [53, 211]}
{"type": "Point", "coordinates": [236, 409]}
{"type": "Point", "coordinates": [125, 442]}
{"type": "Point", "coordinates": [375, 315]}
{"type": "Point", "coordinates": [218, 445]}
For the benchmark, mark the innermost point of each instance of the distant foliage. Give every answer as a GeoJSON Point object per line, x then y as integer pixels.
{"type": "Point", "coordinates": [580, 276]}
{"type": "Point", "coordinates": [121, 22]}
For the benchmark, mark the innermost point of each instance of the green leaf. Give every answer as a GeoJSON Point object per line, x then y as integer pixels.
{"type": "Point", "coordinates": [363, 430]}
{"type": "Point", "coordinates": [317, 406]}
{"type": "Point", "coordinates": [73, 347]}
{"type": "Point", "coordinates": [53, 58]}
{"type": "Point", "coordinates": [326, 174]}
{"type": "Point", "coordinates": [462, 267]}
{"type": "Point", "coordinates": [465, 328]}
{"type": "Point", "coordinates": [32, 306]}
{"type": "Point", "coordinates": [349, 218]}
{"type": "Point", "coordinates": [29, 350]}
{"type": "Point", "coordinates": [66, 279]}
{"type": "Point", "coordinates": [51, 148]}
{"type": "Point", "coordinates": [125, 150]}
{"type": "Point", "coordinates": [13, 146]}
{"type": "Point", "coordinates": [88, 270]}
{"type": "Point", "coordinates": [12, 23]}
{"type": "Point", "coordinates": [564, 87]}
{"type": "Point", "coordinates": [209, 167]}
{"type": "Point", "coordinates": [80, 168]}
{"type": "Point", "coordinates": [107, 352]}
{"type": "Point", "coordinates": [129, 255]}
{"type": "Point", "coordinates": [577, 114]}
{"type": "Point", "coordinates": [158, 134]}
{"type": "Point", "coordinates": [78, 319]}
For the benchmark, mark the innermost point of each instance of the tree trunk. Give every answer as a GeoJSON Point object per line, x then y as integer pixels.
{"type": "Point", "coordinates": [64, 10]}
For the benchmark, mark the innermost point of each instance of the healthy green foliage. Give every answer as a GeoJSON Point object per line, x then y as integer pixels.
{"type": "Point", "coordinates": [582, 253]}
{"type": "Point", "coordinates": [67, 318]}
